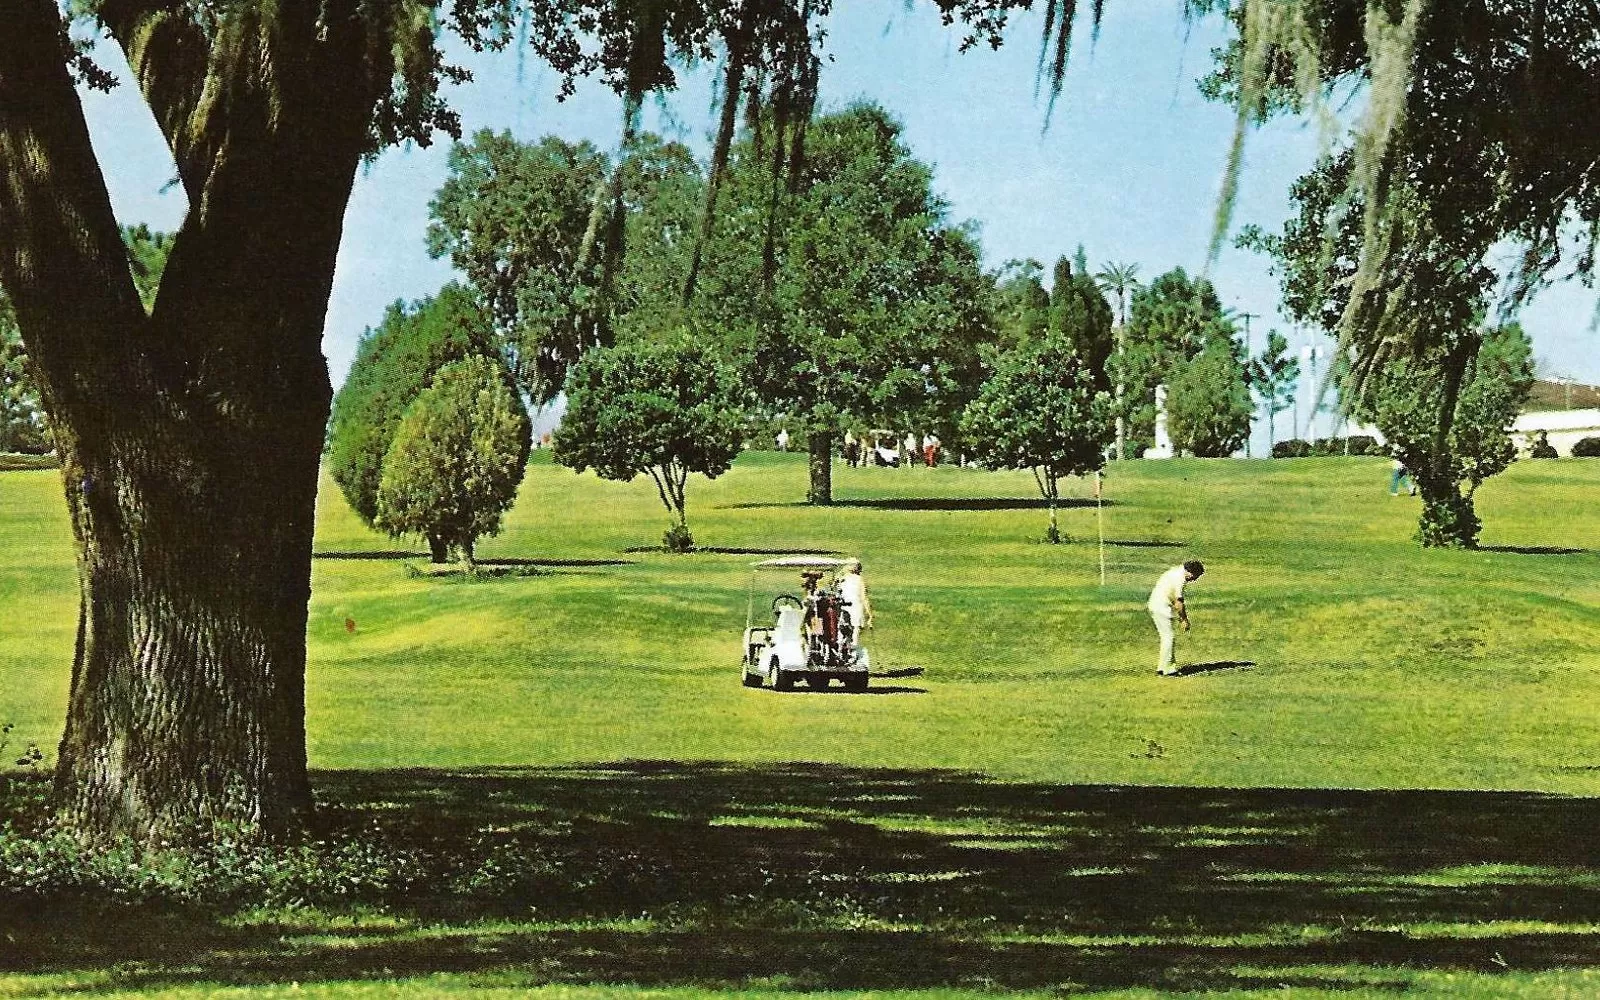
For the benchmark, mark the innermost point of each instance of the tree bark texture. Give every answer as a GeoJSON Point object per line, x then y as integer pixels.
{"type": "Point", "coordinates": [189, 437]}
{"type": "Point", "coordinates": [1449, 519]}
{"type": "Point", "coordinates": [820, 491]}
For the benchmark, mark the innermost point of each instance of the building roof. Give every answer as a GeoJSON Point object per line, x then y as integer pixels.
{"type": "Point", "coordinates": [1548, 394]}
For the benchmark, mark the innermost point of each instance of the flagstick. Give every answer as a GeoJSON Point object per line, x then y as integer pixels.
{"type": "Point", "coordinates": [1100, 526]}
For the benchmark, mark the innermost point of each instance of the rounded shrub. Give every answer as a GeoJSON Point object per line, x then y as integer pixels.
{"type": "Point", "coordinates": [1588, 447]}
{"type": "Point", "coordinates": [1292, 448]}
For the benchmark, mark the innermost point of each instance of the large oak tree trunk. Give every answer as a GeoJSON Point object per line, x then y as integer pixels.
{"type": "Point", "coordinates": [190, 437]}
{"type": "Point", "coordinates": [187, 706]}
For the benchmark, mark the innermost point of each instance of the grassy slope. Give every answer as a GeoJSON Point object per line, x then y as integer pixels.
{"type": "Point", "coordinates": [1376, 665]}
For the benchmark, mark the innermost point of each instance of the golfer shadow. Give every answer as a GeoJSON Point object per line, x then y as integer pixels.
{"type": "Point", "coordinates": [711, 875]}
{"type": "Point", "coordinates": [1212, 667]}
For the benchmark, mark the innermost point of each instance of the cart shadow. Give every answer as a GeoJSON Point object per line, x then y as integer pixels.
{"type": "Point", "coordinates": [821, 877]}
{"type": "Point", "coordinates": [870, 689]}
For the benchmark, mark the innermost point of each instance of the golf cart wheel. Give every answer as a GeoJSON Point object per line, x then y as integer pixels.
{"type": "Point", "coordinates": [751, 680]}
{"type": "Point", "coordinates": [817, 682]}
{"type": "Point", "coordinates": [855, 682]}
{"type": "Point", "coordinates": [782, 680]}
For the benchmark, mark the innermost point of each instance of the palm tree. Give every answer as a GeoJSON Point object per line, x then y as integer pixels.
{"type": "Point", "coordinates": [1122, 281]}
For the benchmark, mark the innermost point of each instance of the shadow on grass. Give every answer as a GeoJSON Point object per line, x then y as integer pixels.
{"type": "Point", "coordinates": [1533, 550]}
{"type": "Point", "coordinates": [933, 503]}
{"type": "Point", "coordinates": [1139, 543]}
{"type": "Point", "coordinates": [1214, 666]}
{"type": "Point", "coordinates": [715, 550]}
{"type": "Point", "coordinates": [825, 877]}
{"type": "Point", "coordinates": [384, 554]}
{"type": "Point", "coordinates": [871, 689]}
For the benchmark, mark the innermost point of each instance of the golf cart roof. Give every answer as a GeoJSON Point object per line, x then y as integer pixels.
{"type": "Point", "coordinates": [805, 562]}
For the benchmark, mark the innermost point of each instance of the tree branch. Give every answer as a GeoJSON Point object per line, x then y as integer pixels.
{"type": "Point", "coordinates": [656, 474]}
{"type": "Point", "coordinates": [169, 54]}
{"type": "Point", "coordinates": [61, 254]}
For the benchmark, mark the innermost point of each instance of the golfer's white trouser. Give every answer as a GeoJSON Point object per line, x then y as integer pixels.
{"type": "Point", "coordinates": [1169, 640]}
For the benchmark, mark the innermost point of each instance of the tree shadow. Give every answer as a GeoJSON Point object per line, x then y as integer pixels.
{"type": "Point", "coordinates": [556, 563]}
{"type": "Point", "coordinates": [1207, 668]}
{"type": "Point", "coordinates": [717, 550]}
{"type": "Point", "coordinates": [1533, 550]}
{"type": "Point", "coordinates": [402, 554]}
{"type": "Point", "coordinates": [965, 503]}
{"type": "Point", "coordinates": [1139, 543]}
{"type": "Point", "coordinates": [828, 877]}
{"type": "Point", "coordinates": [934, 503]}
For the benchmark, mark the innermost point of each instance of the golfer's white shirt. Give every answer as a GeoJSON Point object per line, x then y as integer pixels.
{"type": "Point", "coordinates": [1169, 590]}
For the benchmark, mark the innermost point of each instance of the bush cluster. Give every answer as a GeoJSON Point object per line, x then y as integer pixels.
{"type": "Point", "coordinates": [1355, 444]}
{"type": "Point", "coordinates": [1588, 447]}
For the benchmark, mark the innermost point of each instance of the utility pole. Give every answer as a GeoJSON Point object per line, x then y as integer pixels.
{"type": "Point", "coordinates": [1248, 362]}
{"type": "Point", "coordinates": [1309, 353]}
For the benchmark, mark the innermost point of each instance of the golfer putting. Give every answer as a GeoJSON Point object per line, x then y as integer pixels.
{"type": "Point", "coordinates": [1166, 603]}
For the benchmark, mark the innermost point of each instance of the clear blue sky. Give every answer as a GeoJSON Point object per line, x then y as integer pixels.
{"type": "Point", "coordinates": [1129, 168]}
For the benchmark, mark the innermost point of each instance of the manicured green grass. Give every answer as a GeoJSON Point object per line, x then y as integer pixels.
{"type": "Point", "coordinates": [1036, 811]}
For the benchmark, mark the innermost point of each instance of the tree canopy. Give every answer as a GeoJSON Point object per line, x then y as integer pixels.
{"type": "Point", "coordinates": [514, 217]}
{"type": "Point", "coordinates": [1208, 403]}
{"type": "Point", "coordinates": [667, 410]}
{"type": "Point", "coordinates": [1474, 132]}
{"type": "Point", "coordinates": [867, 305]}
{"type": "Point", "coordinates": [1040, 410]}
{"type": "Point", "coordinates": [1172, 320]}
{"type": "Point", "coordinates": [395, 362]}
{"type": "Point", "coordinates": [458, 455]}
{"type": "Point", "coordinates": [1275, 377]}
{"type": "Point", "coordinates": [1414, 395]}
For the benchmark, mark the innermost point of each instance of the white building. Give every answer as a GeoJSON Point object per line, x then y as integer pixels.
{"type": "Point", "coordinates": [1563, 428]}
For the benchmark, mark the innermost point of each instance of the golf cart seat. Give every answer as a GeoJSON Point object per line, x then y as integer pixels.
{"type": "Point", "coordinates": [788, 627]}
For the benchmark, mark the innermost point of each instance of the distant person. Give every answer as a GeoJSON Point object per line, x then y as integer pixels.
{"type": "Point", "coordinates": [910, 448]}
{"type": "Point", "coordinates": [930, 449]}
{"type": "Point", "coordinates": [852, 449]}
{"type": "Point", "coordinates": [1541, 447]}
{"type": "Point", "coordinates": [1166, 604]}
{"type": "Point", "coordinates": [853, 595]}
{"type": "Point", "coordinates": [1400, 477]}
{"type": "Point", "coordinates": [783, 439]}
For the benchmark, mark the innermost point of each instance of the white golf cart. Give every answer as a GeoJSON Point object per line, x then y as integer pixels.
{"type": "Point", "coordinates": [811, 637]}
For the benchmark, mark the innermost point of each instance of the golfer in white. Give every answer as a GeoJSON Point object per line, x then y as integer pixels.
{"type": "Point", "coordinates": [1166, 603]}
{"type": "Point", "coordinates": [853, 595]}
